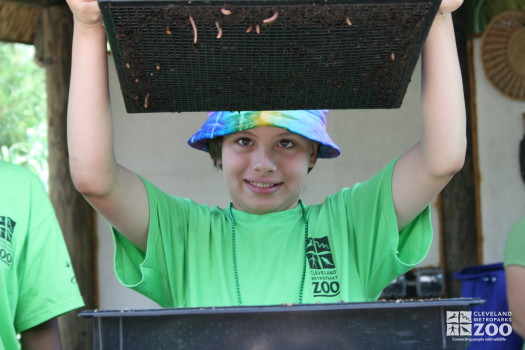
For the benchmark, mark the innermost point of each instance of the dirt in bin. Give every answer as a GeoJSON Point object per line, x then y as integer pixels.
{"type": "Point", "coordinates": [158, 41]}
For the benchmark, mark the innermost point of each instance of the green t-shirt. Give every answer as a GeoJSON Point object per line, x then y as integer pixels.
{"type": "Point", "coordinates": [515, 245]}
{"type": "Point", "coordinates": [37, 281]}
{"type": "Point", "coordinates": [354, 250]}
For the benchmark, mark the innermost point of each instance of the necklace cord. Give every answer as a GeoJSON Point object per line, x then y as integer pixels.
{"type": "Point", "coordinates": [234, 253]}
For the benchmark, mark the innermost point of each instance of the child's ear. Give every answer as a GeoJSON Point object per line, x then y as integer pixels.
{"type": "Point", "coordinates": [313, 154]}
{"type": "Point", "coordinates": [218, 164]}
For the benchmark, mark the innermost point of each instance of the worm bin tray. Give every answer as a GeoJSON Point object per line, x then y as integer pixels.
{"type": "Point", "coordinates": [265, 54]}
{"type": "Point", "coordinates": [403, 325]}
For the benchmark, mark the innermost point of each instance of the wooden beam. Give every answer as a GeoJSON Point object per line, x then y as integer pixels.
{"type": "Point", "coordinates": [37, 3]}
{"type": "Point", "coordinates": [74, 214]}
{"type": "Point", "coordinates": [17, 22]}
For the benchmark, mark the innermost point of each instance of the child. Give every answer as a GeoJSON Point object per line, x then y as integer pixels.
{"type": "Point", "coordinates": [37, 282]}
{"type": "Point", "coordinates": [266, 247]}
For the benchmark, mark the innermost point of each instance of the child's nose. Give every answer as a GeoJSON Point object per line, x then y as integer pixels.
{"type": "Point", "coordinates": [263, 161]}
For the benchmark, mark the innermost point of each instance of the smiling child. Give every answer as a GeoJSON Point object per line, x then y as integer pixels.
{"type": "Point", "coordinates": [266, 246]}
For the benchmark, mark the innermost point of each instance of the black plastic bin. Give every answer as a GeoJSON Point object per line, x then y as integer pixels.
{"type": "Point", "coordinates": [335, 54]}
{"type": "Point", "coordinates": [379, 325]}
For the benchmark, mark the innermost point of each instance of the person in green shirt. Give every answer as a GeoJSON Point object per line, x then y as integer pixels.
{"type": "Point", "coordinates": [37, 281]}
{"type": "Point", "coordinates": [514, 261]}
{"type": "Point", "coordinates": [266, 246]}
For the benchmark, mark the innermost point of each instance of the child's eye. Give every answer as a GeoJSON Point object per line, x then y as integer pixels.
{"type": "Point", "coordinates": [286, 143]}
{"type": "Point", "coordinates": [244, 141]}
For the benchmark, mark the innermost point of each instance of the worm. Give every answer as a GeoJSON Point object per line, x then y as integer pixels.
{"type": "Point", "coordinates": [225, 11]}
{"type": "Point", "coordinates": [158, 66]}
{"type": "Point", "coordinates": [271, 19]}
{"type": "Point", "coordinates": [168, 30]}
{"type": "Point", "coordinates": [146, 101]}
{"type": "Point", "coordinates": [347, 20]}
{"type": "Point", "coordinates": [392, 56]}
{"type": "Point", "coordinates": [219, 30]}
{"type": "Point", "coordinates": [258, 29]}
{"type": "Point", "coordinates": [250, 28]}
{"type": "Point", "coordinates": [128, 66]}
{"type": "Point", "coordinates": [194, 26]}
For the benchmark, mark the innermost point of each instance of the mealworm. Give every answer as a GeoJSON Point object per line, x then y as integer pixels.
{"type": "Point", "coordinates": [271, 19]}
{"type": "Point", "coordinates": [168, 30]}
{"type": "Point", "coordinates": [146, 101]}
{"type": "Point", "coordinates": [194, 26]}
{"type": "Point", "coordinates": [128, 66]}
{"type": "Point", "coordinates": [347, 20]}
{"type": "Point", "coordinates": [158, 66]}
{"type": "Point", "coordinates": [392, 56]}
{"type": "Point", "coordinates": [258, 29]}
{"type": "Point", "coordinates": [225, 12]}
{"type": "Point", "coordinates": [219, 30]}
{"type": "Point", "coordinates": [249, 29]}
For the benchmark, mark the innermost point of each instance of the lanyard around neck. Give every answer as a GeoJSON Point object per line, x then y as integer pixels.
{"type": "Point", "coordinates": [234, 253]}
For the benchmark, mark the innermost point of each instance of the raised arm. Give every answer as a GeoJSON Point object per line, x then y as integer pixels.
{"type": "Point", "coordinates": [422, 172]}
{"type": "Point", "coordinates": [114, 191]}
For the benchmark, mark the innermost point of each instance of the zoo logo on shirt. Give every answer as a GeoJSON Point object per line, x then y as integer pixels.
{"type": "Point", "coordinates": [322, 268]}
{"type": "Point", "coordinates": [7, 228]}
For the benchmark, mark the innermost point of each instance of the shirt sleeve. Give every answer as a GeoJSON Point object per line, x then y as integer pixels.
{"type": "Point", "coordinates": [149, 272]}
{"type": "Point", "coordinates": [47, 283]}
{"type": "Point", "coordinates": [515, 245]}
{"type": "Point", "coordinates": [384, 252]}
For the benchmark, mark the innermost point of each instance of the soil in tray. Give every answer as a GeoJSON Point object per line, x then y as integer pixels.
{"type": "Point", "coordinates": [160, 59]}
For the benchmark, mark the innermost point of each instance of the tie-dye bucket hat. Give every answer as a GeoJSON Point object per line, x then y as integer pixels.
{"type": "Point", "coordinates": [310, 124]}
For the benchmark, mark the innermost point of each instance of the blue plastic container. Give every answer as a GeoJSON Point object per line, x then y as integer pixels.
{"type": "Point", "coordinates": [489, 322]}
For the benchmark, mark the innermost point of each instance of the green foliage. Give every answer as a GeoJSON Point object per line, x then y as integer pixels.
{"type": "Point", "coordinates": [483, 11]}
{"type": "Point", "coordinates": [23, 127]}
{"type": "Point", "coordinates": [31, 153]}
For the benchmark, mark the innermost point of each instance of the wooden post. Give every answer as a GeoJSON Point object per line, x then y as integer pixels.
{"type": "Point", "coordinates": [76, 218]}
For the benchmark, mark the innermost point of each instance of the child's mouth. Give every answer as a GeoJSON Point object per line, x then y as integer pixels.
{"type": "Point", "coordinates": [263, 187]}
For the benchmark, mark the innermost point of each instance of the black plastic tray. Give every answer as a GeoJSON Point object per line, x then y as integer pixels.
{"type": "Point", "coordinates": [308, 58]}
{"type": "Point", "coordinates": [400, 325]}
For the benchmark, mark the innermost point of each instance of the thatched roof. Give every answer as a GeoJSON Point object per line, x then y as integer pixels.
{"type": "Point", "coordinates": [18, 19]}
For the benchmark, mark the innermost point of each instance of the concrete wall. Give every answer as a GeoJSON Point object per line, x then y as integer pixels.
{"type": "Point", "coordinates": [502, 191]}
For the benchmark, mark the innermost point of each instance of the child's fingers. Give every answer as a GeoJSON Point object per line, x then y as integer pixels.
{"type": "Point", "coordinates": [448, 6]}
{"type": "Point", "coordinates": [85, 11]}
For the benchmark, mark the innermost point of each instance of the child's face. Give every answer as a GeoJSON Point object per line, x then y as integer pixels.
{"type": "Point", "coordinates": [265, 168]}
